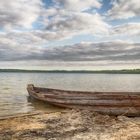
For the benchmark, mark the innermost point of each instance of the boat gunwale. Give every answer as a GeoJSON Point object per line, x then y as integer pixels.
{"type": "Point", "coordinates": [44, 90]}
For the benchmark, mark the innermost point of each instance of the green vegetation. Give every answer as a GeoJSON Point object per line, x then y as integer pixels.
{"type": "Point", "coordinates": [125, 71]}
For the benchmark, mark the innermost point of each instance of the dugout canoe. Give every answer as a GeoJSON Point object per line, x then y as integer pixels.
{"type": "Point", "coordinates": [111, 103]}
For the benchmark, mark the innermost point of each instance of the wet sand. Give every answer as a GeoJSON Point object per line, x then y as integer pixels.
{"type": "Point", "coordinates": [69, 125]}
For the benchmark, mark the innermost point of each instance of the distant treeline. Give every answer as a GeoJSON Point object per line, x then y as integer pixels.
{"type": "Point", "coordinates": [125, 71]}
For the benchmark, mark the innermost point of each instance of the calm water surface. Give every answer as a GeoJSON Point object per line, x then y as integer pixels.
{"type": "Point", "coordinates": [14, 97]}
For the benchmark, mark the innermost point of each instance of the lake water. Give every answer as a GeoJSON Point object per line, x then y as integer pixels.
{"type": "Point", "coordinates": [14, 96]}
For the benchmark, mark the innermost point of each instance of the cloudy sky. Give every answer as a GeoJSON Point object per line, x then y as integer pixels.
{"type": "Point", "coordinates": [70, 34]}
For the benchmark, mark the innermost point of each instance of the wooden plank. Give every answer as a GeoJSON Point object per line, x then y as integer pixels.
{"type": "Point", "coordinates": [97, 97]}
{"type": "Point", "coordinates": [67, 92]}
{"type": "Point", "coordinates": [103, 102]}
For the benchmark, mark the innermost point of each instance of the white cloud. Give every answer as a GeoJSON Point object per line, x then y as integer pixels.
{"type": "Point", "coordinates": [64, 20]}
{"type": "Point", "coordinates": [123, 9]}
{"type": "Point", "coordinates": [118, 51]}
{"type": "Point", "coordinates": [67, 18]}
{"type": "Point", "coordinates": [19, 13]}
{"type": "Point", "coordinates": [67, 23]}
{"type": "Point", "coordinates": [128, 29]}
{"type": "Point", "coordinates": [60, 21]}
{"type": "Point", "coordinates": [79, 5]}
{"type": "Point", "coordinates": [78, 23]}
{"type": "Point", "coordinates": [28, 51]}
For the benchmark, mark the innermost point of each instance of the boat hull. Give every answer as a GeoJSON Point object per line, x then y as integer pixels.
{"type": "Point", "coordinates": [111, 103]}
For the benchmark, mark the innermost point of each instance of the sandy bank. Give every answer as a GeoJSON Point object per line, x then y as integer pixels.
{"type": "Point", "coordinates": [70, 125]}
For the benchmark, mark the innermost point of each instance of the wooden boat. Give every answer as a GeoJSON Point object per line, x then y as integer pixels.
{"type": "Point", "coordinates": [111, 103]}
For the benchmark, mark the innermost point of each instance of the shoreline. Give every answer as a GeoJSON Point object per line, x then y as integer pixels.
{"type": "Point", "coordinates": [105, 71]}
{"type": "Point", "coordinates": [31, 113]}
{"type": "Point", "coordinates": [69, 125]}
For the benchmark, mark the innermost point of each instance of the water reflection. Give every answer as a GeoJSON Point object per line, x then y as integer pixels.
{"type": "Point", "coordinates": [40, 105]}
